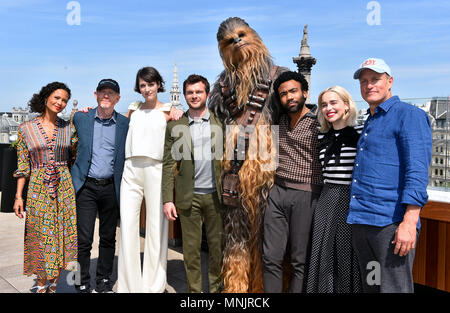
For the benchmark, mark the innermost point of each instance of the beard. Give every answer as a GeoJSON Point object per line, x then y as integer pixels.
{"type": "Point", "coordinates": [293, 109]}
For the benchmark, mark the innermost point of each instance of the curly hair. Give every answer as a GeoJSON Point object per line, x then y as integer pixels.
{"type": "Point", "coordinates": [277, 108]}
{"type": "Point", "coordinates": [286, 76]}
{"type": "Point", "coordinates": [38, 100]}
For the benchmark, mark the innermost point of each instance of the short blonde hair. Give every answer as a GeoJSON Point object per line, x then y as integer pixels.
{"type": "Point", "coordinates": [346, 98]}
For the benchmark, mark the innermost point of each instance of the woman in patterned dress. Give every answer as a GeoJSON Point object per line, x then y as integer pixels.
{"type": "Point", "coordinates": [333, 267]}
{"type": "Point", "coordinates": [46, 146]}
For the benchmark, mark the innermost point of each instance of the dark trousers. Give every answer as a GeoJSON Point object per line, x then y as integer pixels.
{"type": "Point", "coordinates": [381, 269]}
{"type": "Point", "coordinates": [93, 198]}
{"type": "Point", "coordinates": [287, 218]}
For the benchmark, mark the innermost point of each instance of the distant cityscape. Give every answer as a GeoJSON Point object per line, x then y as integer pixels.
{"type": "Point", "coordinates": [10, 121]}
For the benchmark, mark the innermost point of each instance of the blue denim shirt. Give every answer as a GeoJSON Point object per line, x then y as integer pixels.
{"type": "Point", "coordinates": [102, 161]}
{"type": "Point", "coordinates": [391, 165]}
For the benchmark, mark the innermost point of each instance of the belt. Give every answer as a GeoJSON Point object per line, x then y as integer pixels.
{"type": "Point", "coordinates": [298, 186]}
{"type": "Point", "coordinates": [101, 182]}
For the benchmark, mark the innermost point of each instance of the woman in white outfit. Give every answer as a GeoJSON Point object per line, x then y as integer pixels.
{"type": "Point", "coordinates": [142, 178]}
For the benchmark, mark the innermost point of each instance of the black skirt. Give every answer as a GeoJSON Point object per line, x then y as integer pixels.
{"type": "Point", "coordinates": [333, 265]}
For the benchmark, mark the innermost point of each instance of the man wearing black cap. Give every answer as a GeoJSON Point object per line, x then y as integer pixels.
{"type": "Point", "coordinates": [96, 175]}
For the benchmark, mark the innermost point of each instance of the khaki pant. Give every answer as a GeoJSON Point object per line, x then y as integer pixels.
{"type": "Point", "coordinates": [208, 207]}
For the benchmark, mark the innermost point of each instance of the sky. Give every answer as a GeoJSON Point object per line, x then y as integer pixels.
{"type": "Point", "coordinates": [81, 42]}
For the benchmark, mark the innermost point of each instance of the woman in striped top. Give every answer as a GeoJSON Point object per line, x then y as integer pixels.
{"type": "Point", "coordinates": [46, 145]}
{"type": "Point", "coordinates": [333, 267]}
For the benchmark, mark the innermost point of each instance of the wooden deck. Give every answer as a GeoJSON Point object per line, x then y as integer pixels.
{"type": "Point", "coordinates": [432, 261]}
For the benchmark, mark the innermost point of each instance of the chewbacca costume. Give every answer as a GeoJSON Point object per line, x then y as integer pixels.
{"type": "Point", "coordinates": [243, 98]}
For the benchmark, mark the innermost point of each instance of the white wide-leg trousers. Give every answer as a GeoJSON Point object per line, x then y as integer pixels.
{"type": "Point", "coordinates": [142, 178]}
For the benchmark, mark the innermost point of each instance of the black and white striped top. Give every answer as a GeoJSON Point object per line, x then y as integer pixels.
{"type": "Point", "coordinates": [338, 148]}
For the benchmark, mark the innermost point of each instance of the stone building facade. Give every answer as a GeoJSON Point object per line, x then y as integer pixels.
{"type": "Point", "coordinates": [439, 173]}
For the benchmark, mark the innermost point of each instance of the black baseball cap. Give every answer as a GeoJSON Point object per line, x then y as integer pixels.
{"type": "Point", "coordinates": [108, 83]}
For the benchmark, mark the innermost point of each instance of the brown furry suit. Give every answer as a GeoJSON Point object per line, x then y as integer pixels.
{"type": "Point", "coordinates": [247, 62]}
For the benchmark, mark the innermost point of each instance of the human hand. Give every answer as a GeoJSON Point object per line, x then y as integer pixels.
{"type": "Point", "coordinates": [405, 238]}
{"type": "Point", "coordinates": [170, 211]}
{"type": "Point", "coordinates": [175, 114]}
{"type": "Point", "coordinates": [18, 207]}
{"type": "Point", "coordinates": [85, 110]}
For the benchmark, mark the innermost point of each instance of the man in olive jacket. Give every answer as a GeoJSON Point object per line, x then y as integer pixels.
{"type": "Point", "coordinates": [191, 182]}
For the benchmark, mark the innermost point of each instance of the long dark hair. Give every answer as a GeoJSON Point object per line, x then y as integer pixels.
{"type": "Point", "coordinates": [38, 100]}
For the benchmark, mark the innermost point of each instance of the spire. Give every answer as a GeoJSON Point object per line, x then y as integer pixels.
{"type": "Point", "coordinates": [175, 76]}
{"type": "Point", "coordinates": [175, 90]}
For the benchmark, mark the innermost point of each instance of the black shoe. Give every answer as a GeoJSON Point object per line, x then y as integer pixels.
{"type": "Point", "coordinates": [83, 289]}
{"type": "Point", "coordinates": [103, 286]}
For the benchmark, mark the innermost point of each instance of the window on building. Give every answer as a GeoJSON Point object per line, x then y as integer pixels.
{"type": "Point", "coordinates": [442, 161]}
{"type": "Point", "coordinates": [436, 172]}
{"type": "Point", "coordinates": [441, 173]}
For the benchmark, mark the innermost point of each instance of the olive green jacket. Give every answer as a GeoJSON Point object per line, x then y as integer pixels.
{"type": "Point", "coordinates": [178, 161]}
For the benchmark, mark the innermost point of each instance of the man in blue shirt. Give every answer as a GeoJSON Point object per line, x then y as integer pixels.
{"type": "Point", "coordinates": [96, 176]}
{"type": "Point", "coordinates": [389, 184]}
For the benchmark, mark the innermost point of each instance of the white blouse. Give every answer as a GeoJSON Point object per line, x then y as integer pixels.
{"type": "Point", "coordinates": [146, 132]}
